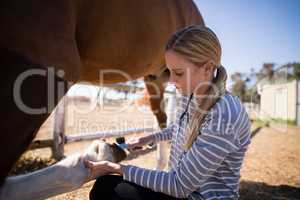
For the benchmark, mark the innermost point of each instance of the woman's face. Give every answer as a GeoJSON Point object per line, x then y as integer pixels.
{"type": "Point", "coordinates": [187, 76]}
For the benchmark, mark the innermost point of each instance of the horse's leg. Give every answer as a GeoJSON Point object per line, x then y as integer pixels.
{"type": "Point", "coordinates": [155, 87]}
{"type": "Point", "coordinates": [28, 94]}
{"type": "Point", "coordinates": [64, 176]}
{"type": "Point", "coordinates": [60, 117]}
{"type": "Point", "coordinates": [162, 147]}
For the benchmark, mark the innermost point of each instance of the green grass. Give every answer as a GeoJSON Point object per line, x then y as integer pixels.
{"type": "Point", "coordinates": [258, 123]}
{"type": "Point", "coordinates": [284, 121]}
{"type": "Point", "coordinates": [262, 122]}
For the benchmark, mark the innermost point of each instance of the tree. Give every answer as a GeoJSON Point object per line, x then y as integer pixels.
{"type": "Point", "coordinates": [267, 72]}
{"type": "Point", "coordinates": [296, 70]}
{"type": "Point", "coordinates": [239, 87]}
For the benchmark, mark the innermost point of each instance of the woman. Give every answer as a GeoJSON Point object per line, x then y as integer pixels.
{"type": "Point", "coordinates": [209, 136]}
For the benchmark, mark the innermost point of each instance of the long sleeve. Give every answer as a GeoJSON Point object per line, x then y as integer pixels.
{"type": "Point", "coordinates": [200, 161]}
{"type": "Point", "coordinates": [165, 134]}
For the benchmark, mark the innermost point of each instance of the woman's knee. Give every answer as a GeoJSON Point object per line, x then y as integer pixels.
{"type": "Point", "coordinates": [104, 186]}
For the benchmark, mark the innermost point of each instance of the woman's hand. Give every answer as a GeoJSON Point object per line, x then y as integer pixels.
{"type": "Point", "coordinates": [138, 143]}
{"type": "Point", "coordinates": [101, 168]}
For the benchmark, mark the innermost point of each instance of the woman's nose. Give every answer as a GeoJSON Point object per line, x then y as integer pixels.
{"type": "Point", "coordinates": [172, 80]}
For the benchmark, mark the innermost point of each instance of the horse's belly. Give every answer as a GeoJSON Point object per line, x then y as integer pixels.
{"type": "Point", "coordinates": [128, 36]}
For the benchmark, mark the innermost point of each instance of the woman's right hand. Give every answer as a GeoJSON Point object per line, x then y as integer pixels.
{"type": "Point", "coordinates": [138, 143]}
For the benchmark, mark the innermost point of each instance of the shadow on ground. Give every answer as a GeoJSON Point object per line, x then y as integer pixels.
{"type": "Point", "coordinates": [248, 190]}
{"type": "Point", "coordinates": [261, 191]}
{"type": "Point", "coordinates": [30, 164]}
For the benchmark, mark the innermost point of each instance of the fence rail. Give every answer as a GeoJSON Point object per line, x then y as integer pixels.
{"type": "Point", "coordinates": [87, 136]}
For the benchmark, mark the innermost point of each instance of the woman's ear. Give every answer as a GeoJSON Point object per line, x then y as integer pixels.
{"type": "Point", "coordinates": [209, 67]}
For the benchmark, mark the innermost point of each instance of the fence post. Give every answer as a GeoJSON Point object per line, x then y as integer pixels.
{"type": "Point", "coordinates": [59, 129]}
{"type": "Point", "coordinates": [298, 102]}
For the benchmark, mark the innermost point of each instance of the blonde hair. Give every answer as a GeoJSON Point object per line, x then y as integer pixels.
{"type": "Point", "coordinates": [199, 44]}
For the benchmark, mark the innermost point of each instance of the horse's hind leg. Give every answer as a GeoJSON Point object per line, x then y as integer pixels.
{"type": "Point", "coordinates": [28, 94]}
{"type": "Point", "coordinates": [155, 87]}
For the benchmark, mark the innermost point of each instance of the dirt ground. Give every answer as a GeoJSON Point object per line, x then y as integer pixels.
{"type": "Point", "coordinates": [271, 169]}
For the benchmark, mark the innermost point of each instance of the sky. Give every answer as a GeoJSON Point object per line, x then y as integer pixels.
{"type": "Point", "coordinates": [254, 32]}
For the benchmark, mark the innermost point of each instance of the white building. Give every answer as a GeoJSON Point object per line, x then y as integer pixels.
{"type": "Point", "coordinates": [280, 101]}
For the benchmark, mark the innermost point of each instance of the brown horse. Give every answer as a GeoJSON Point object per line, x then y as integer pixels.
{"type": "Point", "coordinates": [46, 46]}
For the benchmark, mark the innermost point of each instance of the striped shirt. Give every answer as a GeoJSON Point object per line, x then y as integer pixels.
{"type": "Point", "coordinates": [210, 169]}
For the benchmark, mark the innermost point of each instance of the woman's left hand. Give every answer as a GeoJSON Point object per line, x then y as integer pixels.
{"type": "Point", "coordinates": [101, 168]}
